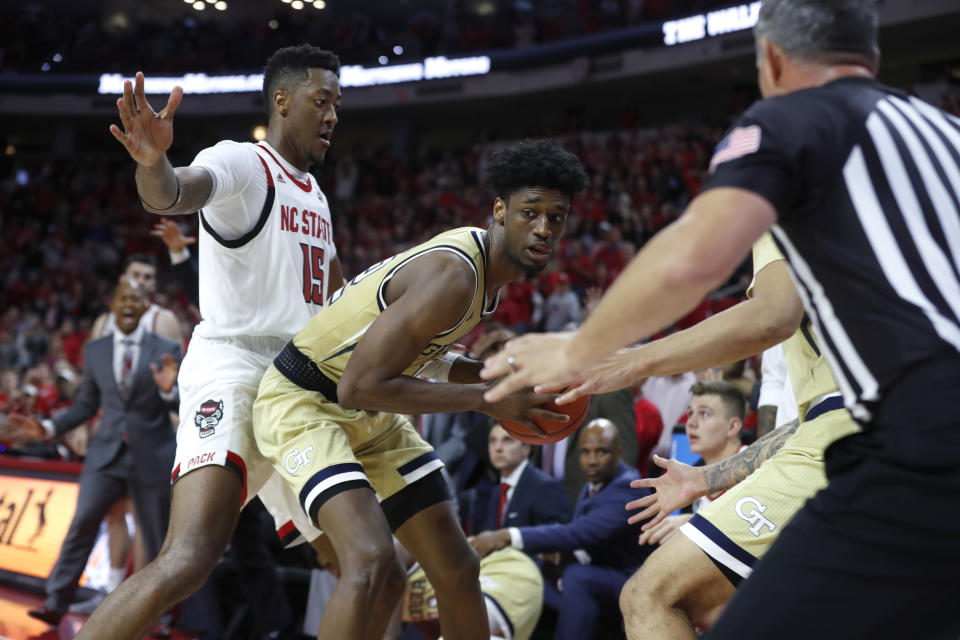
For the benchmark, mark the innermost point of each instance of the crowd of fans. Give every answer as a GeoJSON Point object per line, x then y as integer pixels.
{"type": "Point", "coordinates": [105, 41]}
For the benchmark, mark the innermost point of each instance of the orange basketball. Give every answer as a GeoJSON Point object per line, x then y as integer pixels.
{"type": "Point", "coordinates": [556, 431]}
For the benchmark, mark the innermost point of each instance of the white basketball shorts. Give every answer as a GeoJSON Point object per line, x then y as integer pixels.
{"type": "Point", "coordinates": [218, 383]}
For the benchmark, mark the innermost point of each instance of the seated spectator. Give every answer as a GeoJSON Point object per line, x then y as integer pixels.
{"type": "Point", "coordinates": [714, 422]}
{"type": "Point", "coordinates": [527, 496]}
{"type": "Point", "coordinates": [671, 395]}
{"type": "Point", "coordinates": [563, 458]}
{"type": "Point", "coordinates": [598, 536]}
{"type": "Point", "coordinates": [579, 265]}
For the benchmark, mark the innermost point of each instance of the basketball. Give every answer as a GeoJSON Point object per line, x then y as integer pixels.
{"type": "Point", "coordinates": [556, 430]}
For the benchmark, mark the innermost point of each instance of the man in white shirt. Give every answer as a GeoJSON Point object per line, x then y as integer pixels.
{"type": "Point", "coordinates": [141, 269]}
{"type": "Point", "coordinates": [267, 264]}
{"type": "Point", "coordinates": [526, 495]}
{"type": "Point", "coordinates": [130, 375]}
{"type": "Point", "coordinates": [671, 394]}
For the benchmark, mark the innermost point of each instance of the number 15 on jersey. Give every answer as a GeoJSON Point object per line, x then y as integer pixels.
{"type": "Point", "coordinates": [312, 274]}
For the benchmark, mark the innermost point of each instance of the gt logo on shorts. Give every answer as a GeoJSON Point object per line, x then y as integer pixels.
{"type": "Point", "coordinates": [208, 417]}
{"type": "Point", "coordinates": [296, 459]}
{"type": "Point", "coordinates": [753, 516]}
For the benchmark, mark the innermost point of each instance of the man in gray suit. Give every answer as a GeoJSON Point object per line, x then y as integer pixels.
{"type": "Point", "coordinates": [131, 375]}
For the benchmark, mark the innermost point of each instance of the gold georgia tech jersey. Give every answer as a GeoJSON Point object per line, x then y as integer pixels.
{"type": "Point", "coordinates": [333, 333]}
{"type": "Point", "coordinates": [809, 372]}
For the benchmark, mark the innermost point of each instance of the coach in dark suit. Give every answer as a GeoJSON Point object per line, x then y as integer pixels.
{"type": "Point", "coordinates": [526, 495]}
{"type": "Point", "coordinates": [617, 407]}
{"type": "Point", "coordinates": [131, 375]}
{"type": "Point", "coordinates": [598, 536]}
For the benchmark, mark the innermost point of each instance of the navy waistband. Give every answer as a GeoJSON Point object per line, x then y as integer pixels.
{"type": "Point", "coordinates": [828, 404]}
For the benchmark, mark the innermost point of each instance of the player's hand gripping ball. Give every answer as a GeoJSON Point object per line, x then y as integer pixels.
{"type": "Point", "coordinates": [555, 430]}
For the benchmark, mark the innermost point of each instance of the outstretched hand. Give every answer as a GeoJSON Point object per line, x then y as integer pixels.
{"type": "Point", "coordinates": [170, 233]}
{"type": "Point", "coordinates": [146, 134]}
{"type": "Point", "coordinates": [529, 361]}
{"type": "Point", "coordinates": [166, 376]}
{"type": "Point", "coordinates": [615, 372]}
{"type": "Point", "coordinates": [20, 430]}
{"type": "Point", "coordinates": [678, 487]}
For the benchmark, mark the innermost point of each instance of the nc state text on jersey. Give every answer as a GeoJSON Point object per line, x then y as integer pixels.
{"type": "Point", "coordinates": [309, 223]}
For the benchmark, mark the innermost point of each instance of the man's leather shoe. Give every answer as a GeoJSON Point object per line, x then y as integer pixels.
{"type": "Point", "coordinates": [48, 615]}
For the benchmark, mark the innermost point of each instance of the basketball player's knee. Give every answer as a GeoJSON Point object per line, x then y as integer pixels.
{"type": "Point", "coordinates": [649, 587]}
{"type": "Point", "coordinates": [369, 566]}
{"type": "Point", "coordinates": [186, 565]}
{"type": "Point", "coordinates": [632, 597]}
{"type": "Point", "coordinates": [460, 575]}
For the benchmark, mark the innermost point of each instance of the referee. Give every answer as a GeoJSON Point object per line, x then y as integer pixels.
{"type": "Point", "coordinates": [861, 185]}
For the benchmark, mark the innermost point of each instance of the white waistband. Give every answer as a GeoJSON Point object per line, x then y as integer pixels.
{"type": "Point", "coordinates": [267, 345]}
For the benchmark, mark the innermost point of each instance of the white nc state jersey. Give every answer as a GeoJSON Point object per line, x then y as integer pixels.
{"type": "Point", "coordinates": [265, 245]}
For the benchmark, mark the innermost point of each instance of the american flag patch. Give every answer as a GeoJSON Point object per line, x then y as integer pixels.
{"type": "Point", "coordinates": [740, 142]}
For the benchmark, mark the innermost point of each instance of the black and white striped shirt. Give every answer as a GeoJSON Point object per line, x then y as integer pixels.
{"type": "Point", "coordinates": [866, 184]}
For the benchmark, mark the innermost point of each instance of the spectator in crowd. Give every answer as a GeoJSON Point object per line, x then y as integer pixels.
{"type": "Point", "coordinates": [131, 375]}
{"type": "Point", "coordinates": [527, 496]}
{"type": "Point", "coordinates": [671, 395]}
{"type": "Point", "coordinates": [579, 266]}
{"type": "Point", "coordinates": [562, 307]}
{"type": "Point", "coordinates": [598, 535]}
{"type": "Point", "coordinates": [649, 426]}
{"type": "Point", "coordinates": [563, 458]}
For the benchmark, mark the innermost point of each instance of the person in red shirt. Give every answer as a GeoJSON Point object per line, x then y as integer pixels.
{"type": "Point", "coordinates": [579, 266]}
{"type": "Point", "coordinates": [649, 427]}
{"type": "Point", "coordinates": [9, 390]}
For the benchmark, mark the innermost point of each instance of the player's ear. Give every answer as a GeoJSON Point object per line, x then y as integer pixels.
{"type": "Point", "coordinates": [281, 102]}
{"type": "Point", "coordinates": [499, 210]}
{"type": "Point", "coordinates": [735, 426]}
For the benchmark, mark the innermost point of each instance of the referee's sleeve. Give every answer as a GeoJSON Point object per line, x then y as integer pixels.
{"type": "Point", "coordinates": [757, 155]}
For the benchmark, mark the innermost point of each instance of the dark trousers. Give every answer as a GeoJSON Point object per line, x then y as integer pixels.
{"type": "Point", "coordinates": [585, 604]}
{"type": "Point", "coordinates": [876, 553]}
{"type": "Point", "coordinates": [99, 490]}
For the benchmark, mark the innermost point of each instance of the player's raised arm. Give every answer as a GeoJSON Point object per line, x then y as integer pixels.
{"type": "Point", "coordinates": [425, 298]}
{"type": "Point", "coordinates": [146, 135]}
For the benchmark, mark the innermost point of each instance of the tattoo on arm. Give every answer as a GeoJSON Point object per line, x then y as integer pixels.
{"type": "Point", "coordinates": [722, 475]}
{"type": "Point", "coordinates": [766, 420]}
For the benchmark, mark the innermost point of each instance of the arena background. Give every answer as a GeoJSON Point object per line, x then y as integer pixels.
{"type": "Point", "coordinates": [598, 75]}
